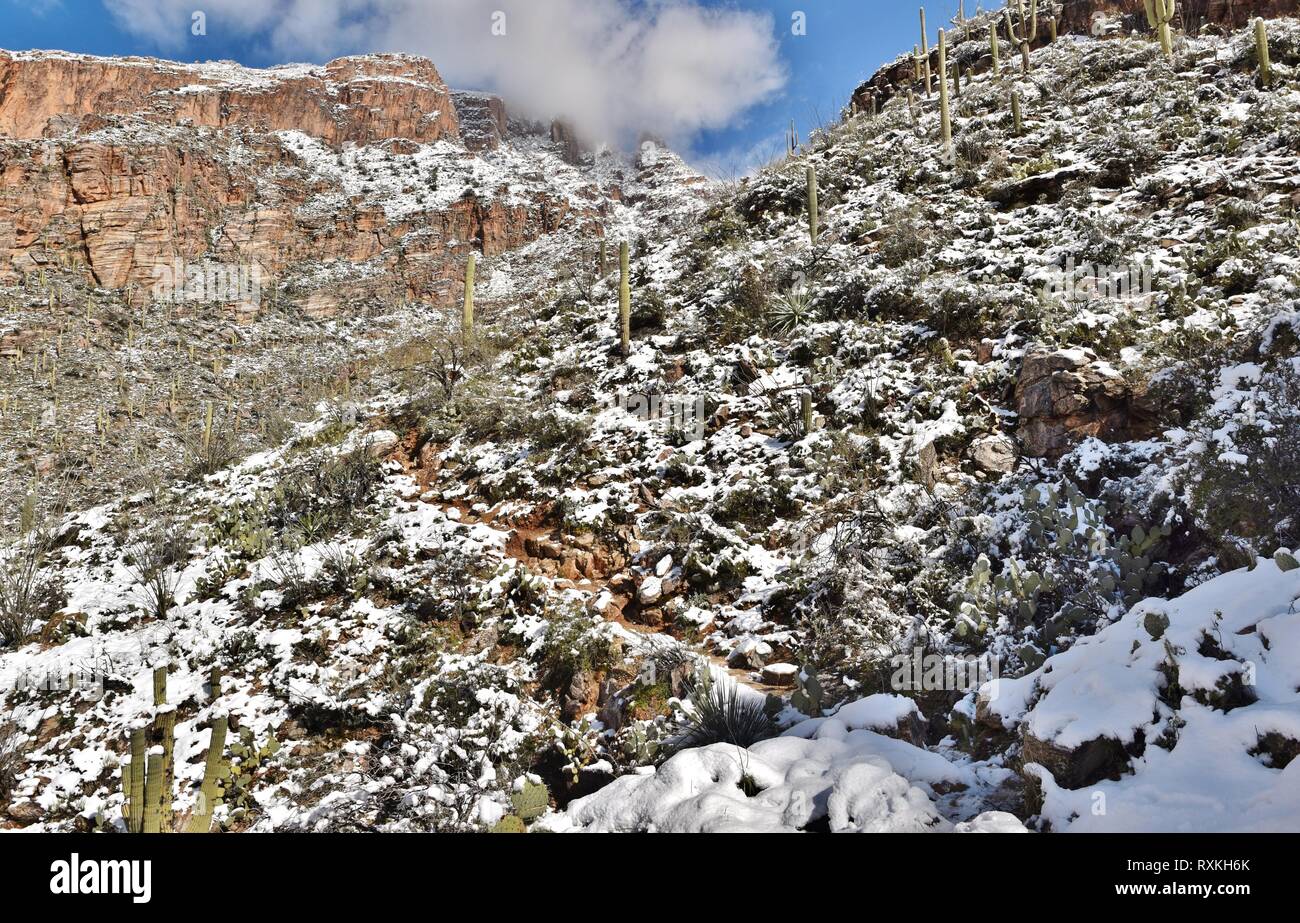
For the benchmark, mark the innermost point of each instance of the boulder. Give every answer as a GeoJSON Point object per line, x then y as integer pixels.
{"type": "Point", "coordinates": [1066, 395]}
{"type": "Point", "coordinates": [994, 454]}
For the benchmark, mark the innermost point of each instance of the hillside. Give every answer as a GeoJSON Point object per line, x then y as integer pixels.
{"type": "Point", "coordinates": [972, 509]}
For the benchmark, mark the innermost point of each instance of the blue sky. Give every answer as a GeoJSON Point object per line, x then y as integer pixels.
{"type": "Point", "coordinates": [846, 40]}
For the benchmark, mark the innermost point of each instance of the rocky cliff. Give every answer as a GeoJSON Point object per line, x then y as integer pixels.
{"type": "Point", "coordinates": [119, 169]}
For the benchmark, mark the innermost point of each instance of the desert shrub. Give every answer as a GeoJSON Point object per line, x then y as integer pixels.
{"type": "Point", "coordinates": [649, 312]}
{"type": "Point", "coordinates": [12, 756]}
{"type": "Point", "coordinates": [743, 309]}
{"type": "Point", "coordinates": [26, 596]}
{"type": "Point", "coordinates": [155, 562]}
{"type": "Point", "coordinates": [209, 449]}
{"type": "Point", "coordinates": [1250, 489]}
{"type": "Point", "coordinates": [906, 237]}
{"type": "Point", "coordinates": [755, 504]}
{"type": "Point", "coordinates": [324, 497]}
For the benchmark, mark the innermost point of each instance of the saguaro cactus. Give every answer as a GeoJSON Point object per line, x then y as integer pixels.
{"type": "Point", "coordinates": [604, 252]}
{"type": "Point", "coordinates": [1160, 13]}
{"type": "Point", "coordinates": [216, 769]}
{"type": "Point", "coordinates": [153, 792]}
{"type": "Point", "coordinates": [1028, 32]}
{"type": "Point", "coordinates": [134, 785]}
{"type": "Point", "coordinates": [467, 315]}
{"type": "Point", "coordinates": [994, 48]}
{"type": "Point", "coordinates": [160, 686]}
{"type": "Point", "coordinates": [1261, 52]}
{"type": "Point", "coordinates": [945, 114]}
{"type": "Point", "coordinates": [925, 53]}
{"type": "Point", "coordinates": [1016, 125]}
{"type": "Point", "coordinates": [624, 300]}
{"type": "Point", "coordinates": [812, 203]}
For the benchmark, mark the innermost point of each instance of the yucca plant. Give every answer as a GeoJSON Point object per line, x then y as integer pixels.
{"type": "Point", "coordinates": [790, 312]}
{"type": "Point", "coordinates": [719, 713]}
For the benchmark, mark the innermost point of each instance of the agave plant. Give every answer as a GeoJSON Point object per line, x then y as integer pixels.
{"type": "Point", "coordinates": [790, 312]}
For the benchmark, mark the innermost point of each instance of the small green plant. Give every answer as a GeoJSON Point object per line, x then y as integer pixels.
{"type": "Point", "coordinates": [790, 312]}
{"type": "Point", "coordinates": [720, 713]}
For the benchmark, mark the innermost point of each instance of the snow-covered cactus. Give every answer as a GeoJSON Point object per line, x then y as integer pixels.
{"type": "Point", "coordinates": [624, 300]}
{"type": "Point", "coordinates": [1027, 34]}
{"type": "Point", "coordinates": [134, 782]}
{"type": "Point", "coordinates": [467, 315]}
{"type": "Point", "coordinates": [1016, 125]}
{"type": "Point", "coordinates": [216, 771]}
{"type": "Point", "coordinates": [160, 686]}
{"type": "Point", "coordinates": [806, 411]}
{"type": "Point", "coordinates": [1261, 52]}
{"type": "Point", "coordinates": [153, 792]}
{"type": "Point", "coordinates": [812, 203]}
{"type": "Point", "coordinates": [1160, 13]}
{"type": "Point", "coordinates": [945, 113]}
{"type": "Point", "coordinates": [994, 48]}
{"type": "Point", "coordinates": [510, 824]}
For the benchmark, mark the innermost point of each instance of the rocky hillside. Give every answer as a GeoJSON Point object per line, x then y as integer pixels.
{"type": "Point", "coordinates": [963, 501]}
{"type": "Point", "coordinates": [174, 236]}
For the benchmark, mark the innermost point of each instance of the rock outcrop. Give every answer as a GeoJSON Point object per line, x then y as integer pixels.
{"type": "Point", "coordinates": [1065, 395]}
{"type": "Point", "coordinates": [361, 100]}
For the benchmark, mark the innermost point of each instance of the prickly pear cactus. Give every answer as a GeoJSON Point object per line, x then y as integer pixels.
{"type": "Point", "coordinates": [510, 824]}
{"type": "Point", "coordinates": [531, 801]}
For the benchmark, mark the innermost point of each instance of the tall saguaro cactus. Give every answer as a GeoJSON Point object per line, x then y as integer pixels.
{"type": "Point", "coordinates": [1017, 127]}
{"type": "Point", "coordinates": [1028, 32]}
{"type": "Point", "coordinates": [467, 314]}
{"type": "Point", "coordinates": [215, 770]}
{"type": "Point", "coordinates": [945, 114]}
{"type": "Point", "coordinates": [812, 203]}
{"type": "Point", "coordinates": [624, 300]}
{"type": "Point", "coordinates": [994, 48]}
{"type": "Point", "coordinates": [1261, 52]}
{"type": "Point", "coordinates": [1160, 13]}
{"type": "Point", "coordinates": [134, 783]}
{"type": "Point", "coordinates": [925, 53]}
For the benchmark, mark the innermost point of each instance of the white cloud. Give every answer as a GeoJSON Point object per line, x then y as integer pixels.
{"type": "Point", "coordinates": [614, 67]}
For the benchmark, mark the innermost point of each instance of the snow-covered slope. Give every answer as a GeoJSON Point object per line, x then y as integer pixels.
{"type": "Point", "coordinates": [980, 550]}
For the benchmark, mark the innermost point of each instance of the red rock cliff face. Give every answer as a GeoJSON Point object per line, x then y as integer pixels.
{"type": "Point", "coordinates": [362, 100]}
{"type": "Point", "coordinates": [121, 168]}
